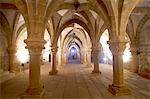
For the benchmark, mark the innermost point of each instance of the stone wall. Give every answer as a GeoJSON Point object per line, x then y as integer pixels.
{"type": "Point", "coordinates": [4, 62]}
{"type": "Point", "coordinates": [144, 44]}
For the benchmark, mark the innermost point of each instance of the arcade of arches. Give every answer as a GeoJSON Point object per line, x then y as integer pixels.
{"type": "Point", "coordinates": [34, 33]}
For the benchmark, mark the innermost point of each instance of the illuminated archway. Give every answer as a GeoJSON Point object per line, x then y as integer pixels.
{"type": "Point", "coordinates": [22, 53]}
{"type": "Point", "coordinates": [106, 55]}
{"type": "Point", "coordinates": [72, 53]}
{"type": "Point", "coordinates": [46, 52]}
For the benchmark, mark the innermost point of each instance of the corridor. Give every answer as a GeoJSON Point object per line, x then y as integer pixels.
{"type": "Point", "coordinates": [75, 81]}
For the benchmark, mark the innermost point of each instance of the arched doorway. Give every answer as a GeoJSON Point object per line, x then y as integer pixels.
{"type": "Point", "coordinates": [74, 55]}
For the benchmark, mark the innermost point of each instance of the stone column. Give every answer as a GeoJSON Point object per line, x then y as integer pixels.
{"type": "Point", "coordinates": [35, 48]}
{"type": "Point", "coordinates": [65, 57]}
{"type": "Point", "coordinates": [60, 57]}
{"type": "Point", "coordinates": [12, 55]}
{"type": "Point", "coordinates": [96, 51]}
{"type": "Point", "coordinates": [89, 57]}
{"type": "Point", "coordinates": [134, 66]}
{"type": "Point", "coordinates": [53, 60]}
{"type": "Point", "coordinates": [117, 48]}
{"type": "Point", "coordinates": [144, 70]}
{"type": "Point", "coordinates": [84, 56]}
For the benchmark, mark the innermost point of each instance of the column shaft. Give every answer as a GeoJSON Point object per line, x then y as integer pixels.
{"type": "Point", "coordinates": [134, 66]}
{"type": "Point", "coordinates": [12, 52]}
{"type": "Point", "coordinates": [117, 48]}
{"type": "Point", "coordinates": [53, 61]}
{"type": "Point", "coordinates": [96, 51]}
{"type": "Point", "coordinates": [35, 48]}
{"type": "Point", "coordinates": [89, 57]}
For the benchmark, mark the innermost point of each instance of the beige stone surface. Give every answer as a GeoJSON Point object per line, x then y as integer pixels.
{"type": "Point", "coordinates": [75, 81]}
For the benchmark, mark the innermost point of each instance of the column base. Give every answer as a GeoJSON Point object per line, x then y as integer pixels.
{"type": "Point", "coordinates": [33, 93]}
{"type": "Point", "coordinates": [96, 72]}
{"type": "Point", "coordinates": [53, 72]}
{"type": "Point", "coordinates": [118, 90]}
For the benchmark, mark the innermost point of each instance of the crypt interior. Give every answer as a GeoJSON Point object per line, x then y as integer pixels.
{"type": "Point", "coordinates": [74, 49]}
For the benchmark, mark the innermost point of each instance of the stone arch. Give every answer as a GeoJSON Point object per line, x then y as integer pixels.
{"type": "Point", "coordinates": [130, 30]}
{"type": "Point", "coordinates": [5, 27]}
{"type": "Point", "coordinates": [22, 27]}
{"type": "Point", "coordinates": [83, 37]}
{"type": "Point", "coordinates": [141, 25]}
{"type": "Point", "coordinates": [77, 44]}
{"type": "Point", "coordinates": [128, 6]}
{"type": "Point", "coordinates": [68, 41]}
{"type": "Point", "coordinates": [55, 5]}
{"type": "Point", "coordinates": [103, 28]}
{"type": "Point", "coordinates": [70, 22]}
{"type": "Point", "coordinates": [19, 5]}
{"type": "Point", "coordinates": [99, 7]}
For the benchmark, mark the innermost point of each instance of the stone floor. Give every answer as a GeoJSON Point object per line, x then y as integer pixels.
{"type": "Point", "coordinates": [75, 81]}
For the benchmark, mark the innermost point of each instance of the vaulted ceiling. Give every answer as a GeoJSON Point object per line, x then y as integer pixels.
{"type": "Point", "coordinates": [91, 15]}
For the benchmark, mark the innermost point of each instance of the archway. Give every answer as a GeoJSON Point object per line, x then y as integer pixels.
{"type": "Point", "coordinates": [22, 53]}
{"type": "Point", "coordinates": [105, 53]}
{"type": "Point", "coordinates": [46, 53]}
{"type": "Point", "coordinates": [74, 55]}
{"type": "Point", "coordinates": [77, 37]}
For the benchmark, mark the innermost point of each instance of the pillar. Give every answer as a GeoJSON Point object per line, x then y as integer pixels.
{"type": "Point", "coordinates": [53, 60]}
{"type": "Point", "coordinates": [65, 57]}
{"type": "Point", "coordinates": [84, 56]}
{"type": "Point", "coordinates": [144, 70]}
{"type": "Point", "coordinates": [59, 57]}
{"type": "Point", "coordinates": [96, 51]}
{"type": "Point", "coordinates": [134, 66]}
{"type": "Point", "coordinates": [117, 88]}
{"type": "Point", "coordinates": [35, 49]}
{"type": "Point", "coordinates": [89, 57]}
{"type": "Point", "coordinates": [12, 55]}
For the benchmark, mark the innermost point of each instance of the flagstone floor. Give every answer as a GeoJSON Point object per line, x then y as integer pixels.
{"type": "Point", "coordinates": [75, 81]}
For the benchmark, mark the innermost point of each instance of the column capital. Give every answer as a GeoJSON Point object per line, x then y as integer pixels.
{"type": "Point", "coordinates": [35, 46]}
{"type": "Point", "coordinates": [117, 47]}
